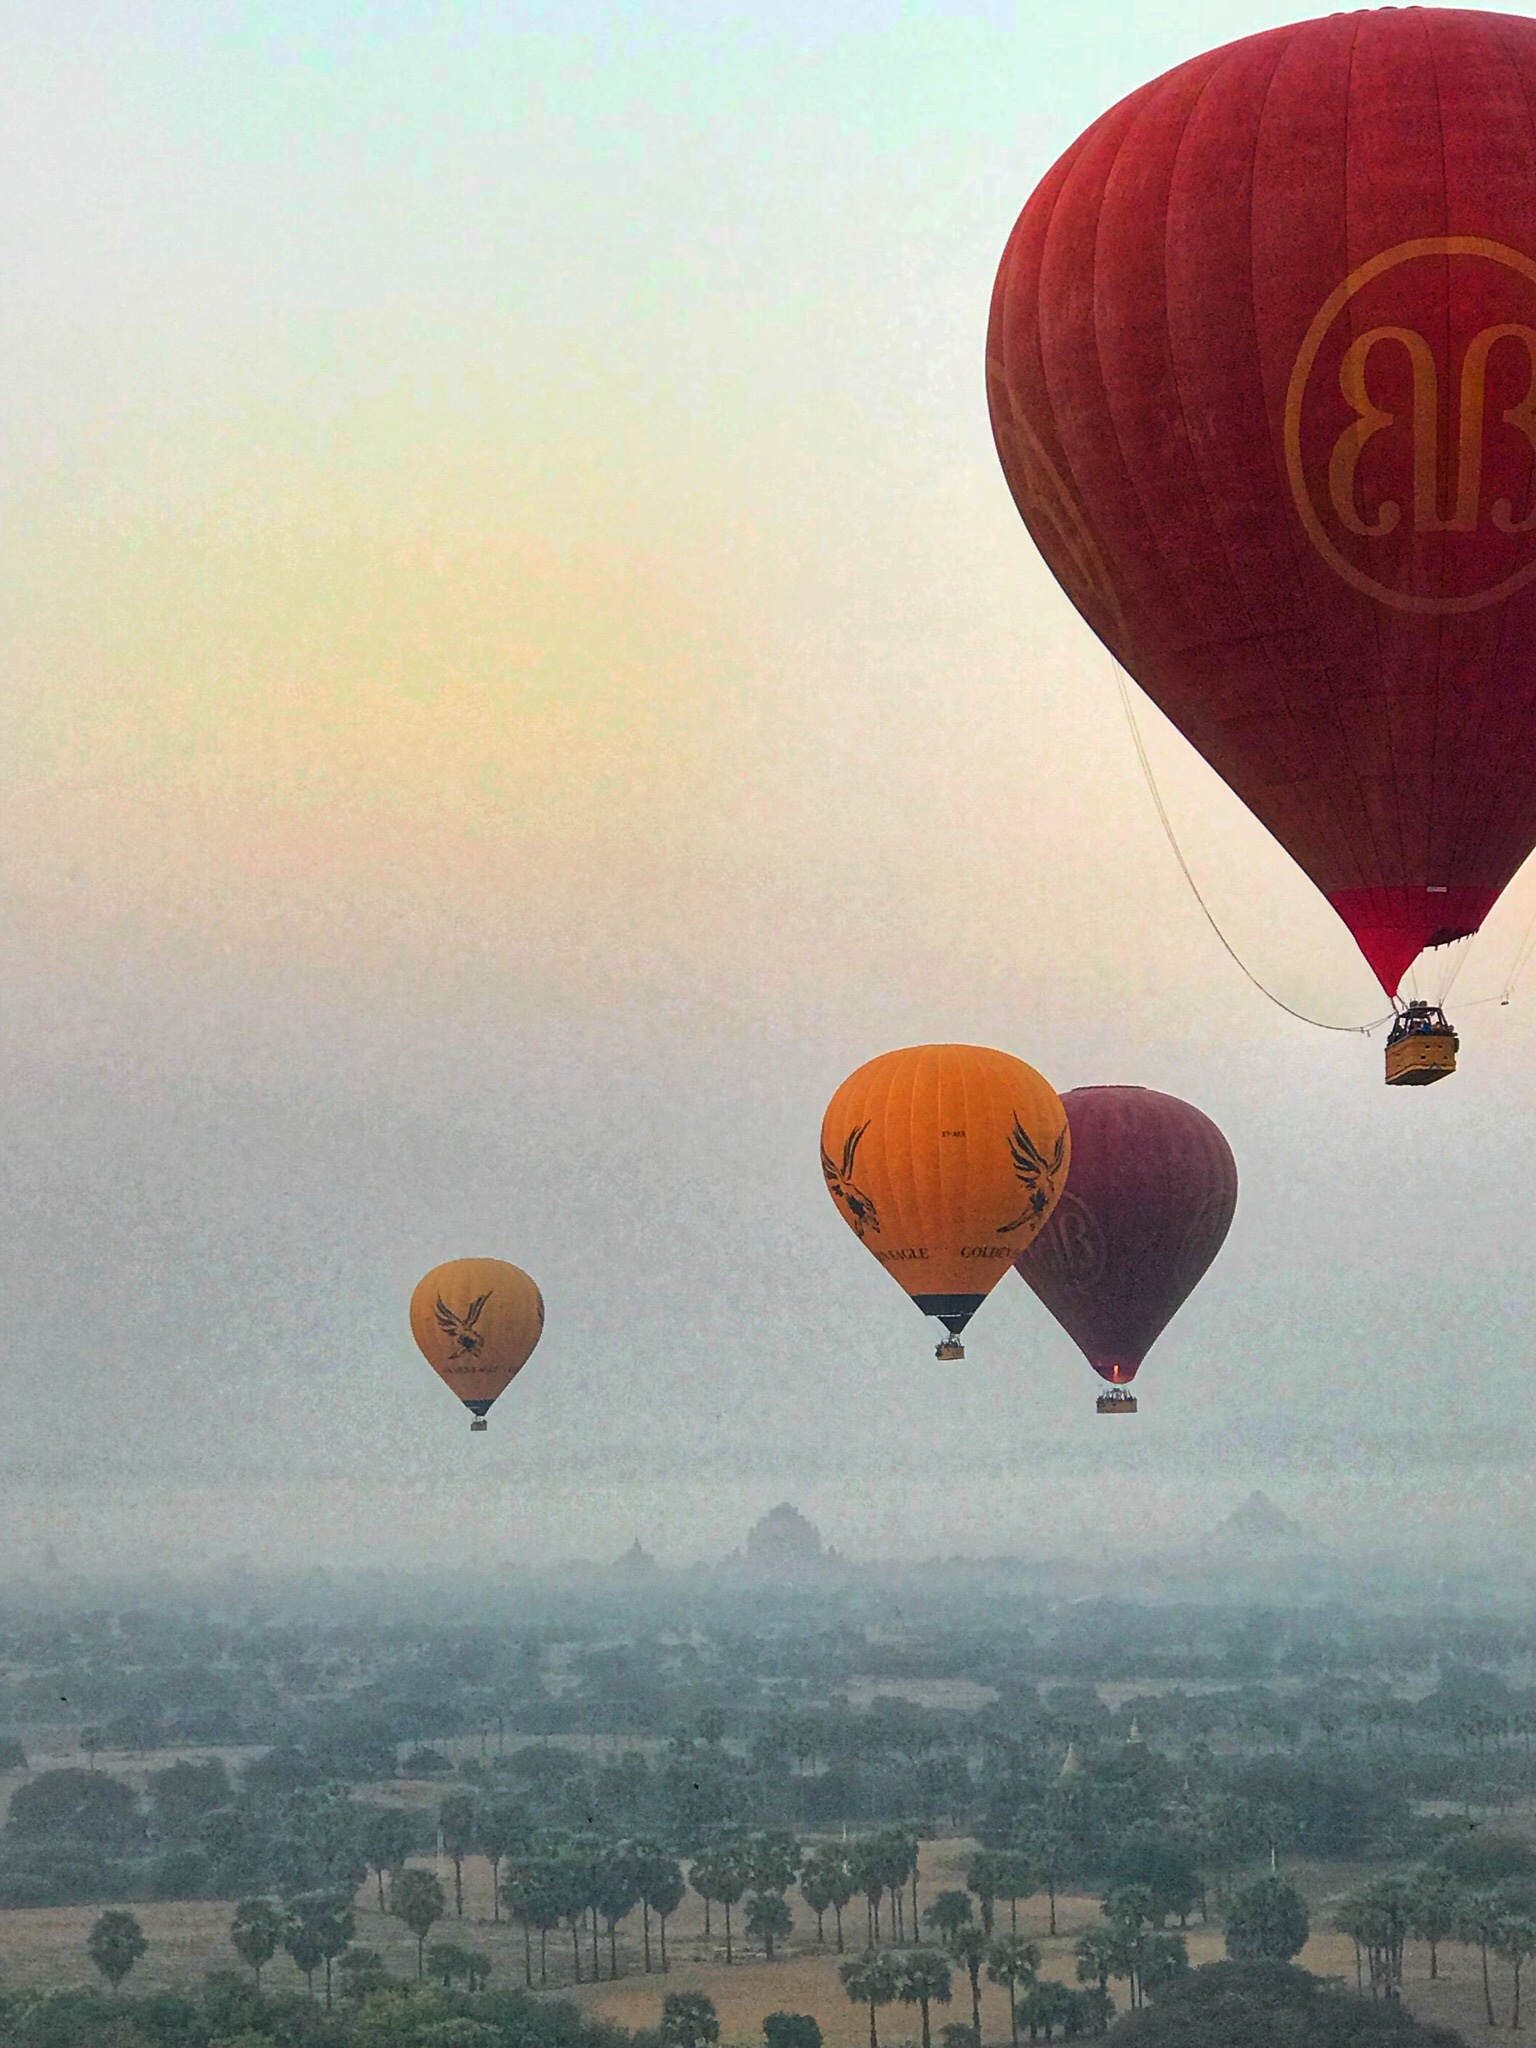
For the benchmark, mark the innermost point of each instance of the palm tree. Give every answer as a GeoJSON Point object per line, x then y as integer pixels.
{"type": "Point", "coordinates": [1434, 1899]}
{"type": "Point", "coordinates": [319, 1927]}
{"type": "Point", "coordinates": [870, 1980]}
{"type": "Point", "coordinates": [816, 1890]}
{"type": "Point", "coordinates": [665, 1896]}
{"type": "Point", "coordinates": [1013, 1962]}
{"type": "Point", "coordinates": [1478, 1924]}
{"type": "Point", "coordinates": [773, 1861]}
{"type": "Point", "coordinates": [898, 1860]}
{"type": "Point", "coordinates": [981, 1877]}
{"type": "Point", "coordinates": [655, 1870]}
{"type": "Point", "coordinates": [255, 1933]}
{"type": "Point", "coordinates": [1515, 1943]}
{"type": "Point", "coordinates": [616, 1894]}
{"type": "Point", "coordinates": [1098, 1956]}
{"type": "Point", "coordinates": [869, 1878]}
{"type": "Point", "coordinates": [1015, 1878]}
{"type": "Point", "coordinates": [387, 1841]}
{"type": "Point", "coordinates": [1045, 1847]}
{"type": "Point", "coordinates": [728, 1878]}
{"type": "Point", "coordinates": [503, 1831]}
{"type": "Point", "coordinates": [924, 1979]}
{"type": "Point", "coordinates": [416, 1897]}
{"type": "Point", "coordinates": [570, 1884]}
{"type": "Point", "coordinates": [828, 1876]}
{"type": "Point", "coordinates": [702, 1876]}
{"type": "Point", "coordinates": [968, 1945]}
{"type": "Point", "coordinates": [517, 1892]}
{"type": "Point", "coordinates": [456, 1825]}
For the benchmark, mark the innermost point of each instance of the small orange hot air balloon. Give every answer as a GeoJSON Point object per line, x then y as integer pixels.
{"type": "Point", "coordinates": [476, 1322]}
{"type": "Point", "coordinates": [946, 1160]}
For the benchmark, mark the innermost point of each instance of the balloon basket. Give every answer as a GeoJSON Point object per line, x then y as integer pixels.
{"type": "Point", "coordinates": [1116, 1402]}
{"type": "Point", "coordinates": [477, 1425]}
{"type": "Point", "coordinates": [1421, 1048]}
{"type": "Point", "coordinates": [949, 1351]}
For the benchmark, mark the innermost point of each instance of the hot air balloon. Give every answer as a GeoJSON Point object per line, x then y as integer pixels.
{"type": "Point", "coordinates": [1147, 1206]}
{"type": "Point", "coordinates": [945, 1160]}
{"type": "Point", "coordinates": [1261, 369]}
{"type": "Point", "coordinates": [476, 1322]}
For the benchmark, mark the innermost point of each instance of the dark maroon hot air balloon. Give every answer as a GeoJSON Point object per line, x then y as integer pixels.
{"type": "Point", "coordinates": [1148, 1203]}
{"type": "Point", "coordinates": [1262, 373]}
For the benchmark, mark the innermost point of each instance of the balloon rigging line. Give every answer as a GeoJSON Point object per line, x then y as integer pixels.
{"type": "Point", "coordinates": [1521, 960]}
{"type": "Point", "coordinates": [1359, 1030]}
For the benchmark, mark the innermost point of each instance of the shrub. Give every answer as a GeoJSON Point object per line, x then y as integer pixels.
{"type": "Point", "coordinates": [791, 2030]}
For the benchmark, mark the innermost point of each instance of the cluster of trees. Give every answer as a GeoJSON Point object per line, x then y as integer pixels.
{"type": "Point", "coordinates": [1258, 2004]}
{"type": "Point", "coordinates": [1477, 1892]}
{"type": "Point", "coordinates": [227, 2010]}
{"type": "Point", "coordinates": [79, 1836]}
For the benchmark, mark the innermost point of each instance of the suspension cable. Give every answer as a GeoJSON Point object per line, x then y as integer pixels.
{"type": "Point", "coordinates": [1356, 1030]}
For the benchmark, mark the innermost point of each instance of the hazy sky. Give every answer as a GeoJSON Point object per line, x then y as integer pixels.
{"type": "Point", "coordinates": [520, 671]}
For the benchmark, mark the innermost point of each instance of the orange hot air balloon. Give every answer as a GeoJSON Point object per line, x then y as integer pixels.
{"type": "Point", "coordinates": [945, 1160]}
{"type": "Point", "coordinates": [476, 1322]}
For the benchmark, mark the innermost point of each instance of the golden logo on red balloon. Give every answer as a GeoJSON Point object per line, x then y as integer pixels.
{"type": "Point", "coordinates": [1410, 425]}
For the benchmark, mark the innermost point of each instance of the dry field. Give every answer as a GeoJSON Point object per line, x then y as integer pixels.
{"type": "Point", "coordinates": [45, 1948]}
{"type": "Point", "coordinates": [939, 1695]}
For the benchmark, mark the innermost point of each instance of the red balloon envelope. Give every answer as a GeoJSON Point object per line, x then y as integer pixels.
{"type": "Point", "coordinates": [1148, 1203]}
{"type": "Point", "coordinates": [1262, 374]}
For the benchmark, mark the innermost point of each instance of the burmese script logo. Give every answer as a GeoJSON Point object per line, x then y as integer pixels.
{"type": "Point", "coordinates": [1071, 1248]}
{"type": "Point", "coordinates": [468, 1342]}
{"type": "Point", "coordinates": [1037, 1171]}
{"type": "Point", "coordinates": [1410, 425]}
{"type": "Point", "coordinates": [862, 1213]}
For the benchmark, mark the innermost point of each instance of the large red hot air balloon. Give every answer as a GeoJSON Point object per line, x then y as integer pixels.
{"type": "Point", "coordinates": [1262, 373]}
{"type": "Point", "coordinates": [1149, 1200]}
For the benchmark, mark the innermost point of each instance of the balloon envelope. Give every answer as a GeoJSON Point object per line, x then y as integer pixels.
{"type": "Point", "coordinates": [943, 1160]}
{"type": "Point", "coordinates": [476, 1322]}
{"type": "Point", "coordinates": [1262, 373]}
{"type": "Point", "coordinates": [1147, 1206]}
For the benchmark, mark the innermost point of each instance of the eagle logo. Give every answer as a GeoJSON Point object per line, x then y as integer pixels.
{"type": "Point", "coordinates": [467, 1340]}
{"type": "Point", "coordinates": [862, 1213]}
{"type": "Point", "coordinates": [1036, 1172]}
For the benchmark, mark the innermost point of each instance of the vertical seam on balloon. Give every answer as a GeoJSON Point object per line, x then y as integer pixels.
{"type": "Point", "coordinates": [1445, 228]}
{"type": "Point", "coordinates": [925, 1055]}
{"type": "Point", "coordinates": [905, 1218]}
{"type": "Point", "coordinates": [1350, 859]}
{"type": "Point", "coordinates": [1260, 640]}
{"type": "Point", "coordinates": [1505, 609]}
{"type": "Point", "coordinates": [965, 1155]}
{"type": "Point", "coordinates": [1342, 850]}
{"type": "Point", "coordinates": [1150, 525]}
{"type": "Point", "coordinates": [1350, 314]}
{"type": "Point", "coordinates": [1045, 382]}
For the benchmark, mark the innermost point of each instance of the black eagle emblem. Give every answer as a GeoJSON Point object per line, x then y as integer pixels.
{"type": "Point", "coordinates": [467, 1340]}
{"type": "Point", "coordinates": [1036, 1172]}
{"type": "Point", "coordinates": [862, 1213]}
